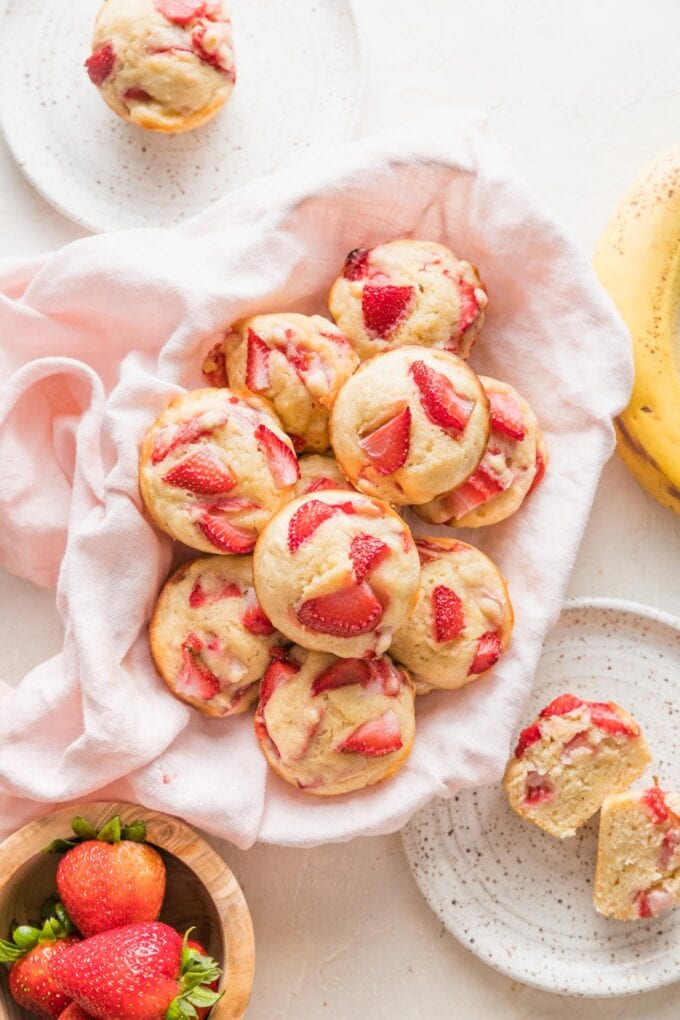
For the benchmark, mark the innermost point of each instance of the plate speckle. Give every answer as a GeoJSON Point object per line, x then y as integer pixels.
{"type": "Point", "coordinates": [299, 88]}
{"type": "Point", "coordinates": [522, 900]}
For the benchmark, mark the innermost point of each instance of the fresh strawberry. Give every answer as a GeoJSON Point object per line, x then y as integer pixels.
{"type": "Point", "coordinates": [257, 364]}
{"type": "Point", "coordinates": [448, 614]}
{"type": "Point", "coordinates": [375, 738]}
{"type": "Point", "coordinates": [215, 365]}
{"type": "Point", "coordinates": [527, 737]}
{"type": "Point", "coordinates": [606, 716]}
{"type": "Point", "coordinates": [356, 264]}
{"type": "Point", "coordinates": [366, 552]}
{"type": "Point", "coordinates": [254, 618]}
{"type": "Point", "coordinates": [281, 459]}
{"type": "Point", "coordinates": [562, 705]}
{"type": "Point", "coordinates": [343, 673]}
{"type": "Point", "coordinates": [202, 473]}
{"type": "Point", "coordinates": [109, 877]}
{"type": "Point", "coordinates": [306, 519]}
{"type": "Point", "coordinates": [184, 434]}
{"type": "Point", "coordinates": [101, 64]}
{"type": "Point", "coordinates": [442, 405]}
{"type": "Point", "coordinates": [227, 537]}
{"type": "Point", "coordinates": [195, 679]}
{"type": "Point", "coordinates": [488, 653]}
{"type": "Point", "coordinates": [138, 972]}
{"type": "Point", "coordinates": [203, 1011]}
{"type": "Point", "coordinates": [215, 592]}
{"type": "Point", "coordinates": [384, 308]}
{"type": "Point", "coordinates": [182, 12]}
{"type": "Point", "coordinates": [388, 447]}
{"type": "Point", "coordinates": [480, 488]}
{"type": "Point", "coordinates": [74, 1012]}
{"type": "Point", "coordinates": [540, 469]}
{"type": "Point", "coordinates": [30, 954]}
{"type": "Point", "coordinates": [506, 416]}
{"type": "Point", "coordinates": [345, 613]}
{"type": "Point", "coordinates": [469, 308]}
{"type": "Point", "coordinates": [278, 673]}
{"type": "Point", "coordinates": [654, 800]}
{"type": "Point", "coordinates": [539, 789]}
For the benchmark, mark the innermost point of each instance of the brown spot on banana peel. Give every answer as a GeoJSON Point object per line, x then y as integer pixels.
{"type": "Point", "coordinates": [634, 444]}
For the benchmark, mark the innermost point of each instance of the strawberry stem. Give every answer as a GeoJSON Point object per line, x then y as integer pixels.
{"type": "Point", "coordinates": [197, 973]}
{"type": "Point", "coordinates": [25, 937]}
{"type": "Point", "coordinates": [112, 832]}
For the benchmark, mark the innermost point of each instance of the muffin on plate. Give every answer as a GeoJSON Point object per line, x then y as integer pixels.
{"type": "Point", "coordinates": [214, 467]}
{"type": "Point", "coordinates": [462, 621]}
{"type": "Point", "coordinates": [573, 756]}
{"type": "Point", "coordinates": [508, 470]}
{"type": "Point", "coordinates": [320, 472]}
{"type": "Point", "coordinates": [210, 641]}
{"type": "Point", "coordinates": [337, 572]}
{"type": "Point", "coordinates": [299, 362]}
{"type": "Point", "coordinates": [410, 424]}
{"type": "Point", "coordinates": [330, 726]}
{"type": "Point", "coordinates": [165, 65]}
{"type": "Point", "coordinates": [408, 292]}
{"type": "Point", "coordinates": [638, 854]}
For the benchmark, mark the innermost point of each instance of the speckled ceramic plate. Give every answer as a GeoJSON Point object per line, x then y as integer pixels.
{"type": "Point", "coordinates": [516, 897]}
{"type": "Point", "coordinates": [300, 82]}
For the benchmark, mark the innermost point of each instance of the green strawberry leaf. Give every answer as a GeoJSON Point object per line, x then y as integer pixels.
{"type": "Point", "coordinates": [60, 846]}
{"type": "Point", "coordinates": [111, 832]}
{"type": "Point", "coordinates": [198, 971]}
{"type": "Point", "coordinates": [136, 832]}
{"type": "Point", "coordinates": [24, 939]}
{"type": "Point", "coordinates": [83, 829]}
{"type": "Point", "coordinates": [203, 997]}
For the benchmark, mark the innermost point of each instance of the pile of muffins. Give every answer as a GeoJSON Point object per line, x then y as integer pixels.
{"type": "Point", "coordinates": [314, 575]}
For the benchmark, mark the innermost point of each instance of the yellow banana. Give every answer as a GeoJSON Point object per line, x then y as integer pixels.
{"type": "Point", "coordinates": [638, 261]}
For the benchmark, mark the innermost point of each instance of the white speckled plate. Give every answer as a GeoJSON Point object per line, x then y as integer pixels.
{"type": "Point", "coordinates": [300, 83]}
{"type": "Point", "coordinates": [522, 900]}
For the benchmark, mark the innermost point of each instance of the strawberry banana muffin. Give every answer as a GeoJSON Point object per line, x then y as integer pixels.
{"type": "Point", "coordinates": [299, 362]}
{"type": "Point", "coordinates": [165, 65]}
{"type": "Point", "coordinates": [409, 424]}
{"type": "Point", "coordinates": [513, 464]}
{"type": "Point", "coordinates": [210, 641]}
{"type": "Point", "coordinates": [337, 572]}
{"type": "Point", "coordinates": [638, 855]}
{"type": "Point", "coordinates": [317, 472]}
{"type": "Point", "coordinates": [462, 621]}
{"type": "Point", "coordinates": [408, 292]}
{"type": "Point", "coordinates": [214, 468]}
{"type": "Point", "coordinates": [330, 725]}
{"type": "Point", "coordinates": [573, 756]}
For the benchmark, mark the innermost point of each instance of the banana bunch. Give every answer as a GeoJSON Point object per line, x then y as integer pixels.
{"type": "Point", "coordinates": [638, 261]}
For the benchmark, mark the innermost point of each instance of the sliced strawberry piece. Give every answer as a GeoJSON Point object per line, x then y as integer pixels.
{"type": "Point", "coordinates": [137, 95]}
{"type": "Point", "coordinates": [375, 738]}
{"type": "Point", "coordinates": [448, 614]}
{"type": "Point", "coordinates": [478, 489]}
{"type": "Point", "coordinates": [506, 416]}
{"type": "Point", "coordinates": [281, 459]}
{"type": "Point", "coordinates": [306, 519]}
{"type": "Point", "coordinates": [469, 307]}
{"type": "Point", "coordinates": [561, 706]}
{"type": "Point", "coordinates": [384, 678]}
{"type": "Point", "coordinates": [389, 445]}
{"type": "Point", "coordinates": [540, 469]}
{"type": "Point", "coordinates": [202, 473]}
{"type": "Point", "coordinates": [345, 613]}
{"type": "Point", "coordinates": [196, 679]}
{"type": "Point", "coordinates": [181, 435]}
{"type": "Point", "coordinates": [342, 673]}
{"type": "Point", "coordinates": [488, 653]}
{"type": "Point", "coordinates": [366, 552]}
{"type": "Point", "coordinates": [653, 902]}
{"type": "Point", "coordinates": [356, 264]}
{"type": "Point", "coordinates": [101, 64]}
{"type": "Point", "coordinates": [212, 44]}
{"type": "Point", "coordinates": [254, 618]}
{"type": "Point", "coordinates": [226, 537]}
{"type": "Point", "coordinates": [278, 673]}
{"type": "Point", "coordinates": [257, 364]}
{"type": "Point", "coordinates": [528, 736]}
{"type": "Point", "coordinates": [654, 800]}
{"type": "Point", "coordinates": [321, 483]}
{"type": "Point", "coordinates": [182, 12]}
{"type": "Point", "coordinates": [215, 366]}
{"type": "Point", "coordinates": [200, 597]}
{"type": "Point", "coordinates": [384, 308]}
{"type": "Point", "coordinates": [606, 717]}
{"type": "Point", "coordinates": [539, 789]}
{"type": "Point", "coordinates": [442, 405]}
{"type": "Point", "coordinates": [298, 442]}
{"type": "Point", "coordinates": [669, 846]}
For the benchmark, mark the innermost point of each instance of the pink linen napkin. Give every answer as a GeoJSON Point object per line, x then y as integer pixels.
{"type": "Point", "coordinates": [96, 338]}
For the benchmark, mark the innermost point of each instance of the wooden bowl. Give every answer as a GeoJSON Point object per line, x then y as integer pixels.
{"type": "Point", "coordinates": [201, 892]}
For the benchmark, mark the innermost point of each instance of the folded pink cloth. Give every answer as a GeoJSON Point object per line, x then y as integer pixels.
{"type": "Point", "coordinates": [97, 338]}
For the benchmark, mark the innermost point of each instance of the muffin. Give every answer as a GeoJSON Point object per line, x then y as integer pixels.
{"type": "Point", "coordinates": [408, 292]}
{"type": "Point", "coordinates": [165, 65]}
{"type": "Point", "coordinates": [462, 621]}
{"type": "Point", "coordinates": [330, 726]}
{"type": "Point", "coordinates": [214, 468]}
{"type": "Point", "coordinates": [573, 756]}
{"type": "Point", "coordinates": [298, 362]}
{"type": "Point", "coordinates": [508, 470]}
{"type": "Point", "coordinates": [638, 854]}
{"type": "Point", "coordinates": [337, 572]}
{"type": "Point", "coordinates": [410, 424]}
{"type": "Point", "coordinates": [317, 472]}
{"type": "Point", "coordinates": [210, 641]}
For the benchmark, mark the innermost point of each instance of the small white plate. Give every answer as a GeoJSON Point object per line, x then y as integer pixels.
{"type": "Point", "coordinates": [300, 84]}
{"type": "Point", "coordinates": [522, 900]}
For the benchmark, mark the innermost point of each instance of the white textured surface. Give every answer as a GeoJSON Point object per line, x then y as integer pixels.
{"type": "Point", "coordinates": [582, 95]}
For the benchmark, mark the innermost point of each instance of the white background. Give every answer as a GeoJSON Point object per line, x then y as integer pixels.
{"type": "Point", "coordinates": [583, 93]}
